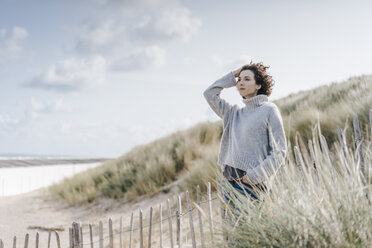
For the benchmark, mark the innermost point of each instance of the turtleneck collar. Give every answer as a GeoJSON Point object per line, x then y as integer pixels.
{"type": "Point", "coordinates": [255, 101]}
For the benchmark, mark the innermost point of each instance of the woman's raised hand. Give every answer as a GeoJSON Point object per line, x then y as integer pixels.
{"type": "Point", "coordinates": [237, 72]}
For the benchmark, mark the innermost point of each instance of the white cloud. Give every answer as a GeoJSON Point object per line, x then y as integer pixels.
{"type": "Point", "coordinates": [230, 64]}
{"type": "Point", "coordinates": [51, 107]}
{"type": "Point", "coordinates": [72, 75]}
{"type": "Point", "coordinates": [7, 120]}
{"type": "Point", "coordinates": [140, 58]}
{"type": "Point", "coordinates": [131, 32]}
{"type": "Point", "coordinates": [11, 43]}
{"type": "Point", "coordinates": [167, 24]}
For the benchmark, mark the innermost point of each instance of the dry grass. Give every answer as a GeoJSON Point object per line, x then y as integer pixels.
{"type": "Point", "coordinates": [329, 207]}
{"type": "Point", "coordinates": [189, 156]}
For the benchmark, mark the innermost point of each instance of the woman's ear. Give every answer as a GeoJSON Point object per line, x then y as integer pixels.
{"type": "Point", "coordinates": [258, 86]}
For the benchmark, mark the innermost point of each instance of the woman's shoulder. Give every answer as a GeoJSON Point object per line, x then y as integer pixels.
{"type": "Point", "coordinates": [269, 106]}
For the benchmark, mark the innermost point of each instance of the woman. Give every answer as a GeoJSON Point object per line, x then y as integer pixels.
{"type": "Point", "coordinates": [253, 143]}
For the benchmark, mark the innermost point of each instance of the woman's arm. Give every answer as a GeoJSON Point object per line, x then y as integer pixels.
{"type": "Point", "coordinates": [278, 149]}
{"type": "Point", "coordinates": [212, 94]}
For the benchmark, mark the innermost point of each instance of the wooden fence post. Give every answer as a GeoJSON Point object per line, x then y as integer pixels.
{"type": "Point", "coordinates": [358, 144]}
{"type": "Point", "coordinates": [141, 228]}
{"type": "Point", "coordinates": [210, 210]}
{"type": "Point", "coordinates": [26, 240]}
{"type": "Point", "coordinates": [179, 222]}
{"type": "Point", "coordinates": [161, 224]}
{"type": "Point", "coordinates": [100, 234]}
{"type": "Point", "coordinates": [170, 223]}
{"type": "Point", "coordinates": [14, 242]}
{"type": "Point", "coordinates": [111, 234]}
{"type": "Point", "coordinates": [191, 220]}
{"type": "Point", "coordinates": [49, 236]}
{"type": "Point", "coordinates": [58, 240]}
{"type": "Point", "coordinates": [149, 241]}
{"type": "Point", "coordinates": [37, 240]}
{"type": "Point", "coordinates": [76, 235]}
{"type": "Point", "coordinates": [81, 236]}
{"type": "Point", "coordinates": [200, 216]}
{"type": "Point", "coordinates": [121, 232]}
{"type": "Point", "coordinates": [131, 231]}
{"type": "Point", "coordinates": [70, 236]}
{"type": "Point", "coordinates": [91, 235]}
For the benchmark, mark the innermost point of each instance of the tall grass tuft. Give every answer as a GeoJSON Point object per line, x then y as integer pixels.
{"type": "Point", "coordinates": [327, 207]}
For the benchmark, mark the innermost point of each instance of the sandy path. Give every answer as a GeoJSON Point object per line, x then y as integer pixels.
{"type": "Point", "coordinates": [38, 208]}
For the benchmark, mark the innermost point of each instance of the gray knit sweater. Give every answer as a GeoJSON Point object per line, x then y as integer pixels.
{"type": "Point", "coordinates": [253, 137]}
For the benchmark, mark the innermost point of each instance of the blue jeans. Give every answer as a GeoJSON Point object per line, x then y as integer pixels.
{"type": "Point", "coordinates": [245, 190]}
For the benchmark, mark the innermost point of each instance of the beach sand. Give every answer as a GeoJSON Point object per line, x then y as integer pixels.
{"type": "Point", "coordinates": [38, 208]}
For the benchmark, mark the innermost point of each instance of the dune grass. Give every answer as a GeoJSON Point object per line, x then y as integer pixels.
{"type": "Point", "coordinates": [327, 207]}
{"type": "Point", "coordinates": [189, 157]}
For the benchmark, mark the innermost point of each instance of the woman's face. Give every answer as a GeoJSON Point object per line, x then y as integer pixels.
{"type": "Point", "coordinates": [246, 85]}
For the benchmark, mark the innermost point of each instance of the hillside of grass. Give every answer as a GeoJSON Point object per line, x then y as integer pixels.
{"type": "Point", "coordinates": [188, 157]}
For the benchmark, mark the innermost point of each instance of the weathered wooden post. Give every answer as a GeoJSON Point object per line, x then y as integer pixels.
{"type": "Point", "coordinates": [58, 240]}
{"type": "Point", "coordinates": [14, 242]}
{"type": "Point", "coordinates": [170, 223]}
{"type": "Point", "coordinates": [161, 224]}
{"type": "Point", "coordinates": [149, 240]}
{"type": "Point", "coordinates": [141, 228]}
{"type": "Point", "coordinates": [210, 210]}
{"type": "Point", "coordinates": [100, 234]}
{"type": "Point", "coordinates": [37, 240]}
{"type": "Point", "coordinates": [191, 219]}
{"type": "Point", "coordinates": [81, 236]}
{"type": "Point", "coordinates": [70, 236]}
{"type": "Point", "coordinates": [76, 241]}
{"type": "Point", "coordinates": [179, 222]}
{"type": "Point", "coordinates": [131, 231]}
{"type": "Point", "coordinates": [121, 232]}
{"type": "Point", "coordinates": [111, 234]}
{"type": "Point", "coordinates": [91, 235]}
{"type": "Point", "coordinates": [200, 216]}
{"type": "Point", "coordinates": [26, 240]}
{"type": "Point", "coordinates": [49, 236]}
{"type": "Point", "coordinates": [358, 144]}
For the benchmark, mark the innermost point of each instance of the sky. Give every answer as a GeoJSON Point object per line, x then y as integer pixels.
{"type": "Point", "coordinates": [95, 78]}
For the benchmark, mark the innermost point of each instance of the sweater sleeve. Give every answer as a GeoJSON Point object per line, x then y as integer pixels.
{"type": "Point", "coordinates": [277, 149]}
{"type": "Point", "coordinates": [212, 94]}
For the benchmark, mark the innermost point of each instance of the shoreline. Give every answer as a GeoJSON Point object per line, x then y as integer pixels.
{"type": "Point", "coordinates": [17, 163]}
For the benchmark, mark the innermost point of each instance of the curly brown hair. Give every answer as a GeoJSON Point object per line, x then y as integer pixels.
{"type": "Point", "coordinates": [261, 76]}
